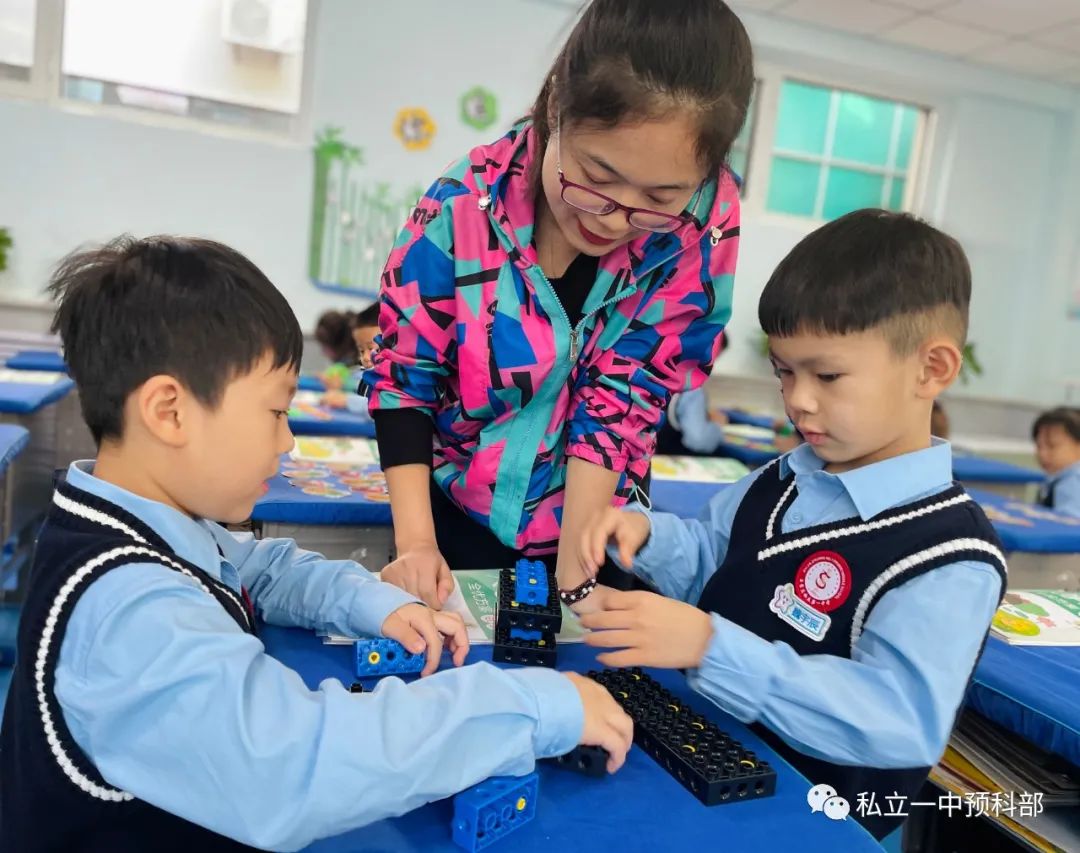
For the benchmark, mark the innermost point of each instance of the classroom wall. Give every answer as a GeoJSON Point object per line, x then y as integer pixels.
{"type": "Point", "coordinates": [1004, 174]}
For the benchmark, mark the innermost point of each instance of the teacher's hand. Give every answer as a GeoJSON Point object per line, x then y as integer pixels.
{"type": "Point", "coordinates": [421, 571]}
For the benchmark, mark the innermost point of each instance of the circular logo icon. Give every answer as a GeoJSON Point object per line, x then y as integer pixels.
{"type": "Point", "coordinates": [823, 581]}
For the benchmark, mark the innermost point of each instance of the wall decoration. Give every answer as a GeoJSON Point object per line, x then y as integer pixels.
{"type": "Point", "coordinates": [353, 222]}
{"type": "Point", "coordinates": [479, 109]}
{"type": "Point", "coordinates": [414, 127]}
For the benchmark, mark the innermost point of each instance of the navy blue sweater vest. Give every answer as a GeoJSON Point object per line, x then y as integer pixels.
{"type": "Point", "coordinates": [814, 589]}
{"type": "Point", "coordinates": [52, 798]}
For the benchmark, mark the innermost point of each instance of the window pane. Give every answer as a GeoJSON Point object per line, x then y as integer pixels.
{"type": "Point", "coordinates": [793, 187]}
{"type": "Point", "coordinates": [864, 129]}
{"type": "Point", "coordinates": [802, 118]}
{"type": "Point", "coordinates": [238, 52]}
{"type": "Point", "coordinates": [909, 117]}
{"type": "Point", "coordinates": [17, 20]}
{"type": "Point", "coordinates": [896, 195]}
{"type": "Point", "coordinates": [847, 190]}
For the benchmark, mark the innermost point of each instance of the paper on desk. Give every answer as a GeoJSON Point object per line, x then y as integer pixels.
{"type": "Point", "coordinates": [698, 469]}
{"type": "Point", "coordinates": [474, 598]}
{"type": "Point", "coordinates": [30, 377]}
{"type": "Point", "coordinates": [346, 451]}
{"type": "Point", "coordinates": [1038, 617]}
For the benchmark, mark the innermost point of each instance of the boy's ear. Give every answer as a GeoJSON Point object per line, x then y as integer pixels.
{"type": "Point", "coordinates": [161, 405]}
{"type": "Point", "coordinates": [939, 365]}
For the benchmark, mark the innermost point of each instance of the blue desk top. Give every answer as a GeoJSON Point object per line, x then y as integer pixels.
{"type": "Point", "coordinates": [738, 416]}
{"type": "Point", "coordinates": [33, 359]}
{"type": "Point", "coordinates": [310, 382]}
{"type": "Point", "coordinates": [575, 813]}
{"type": "Point", "coordinates": [323, 497]}
{"type": "Point", "coordinates": [339, 422]}
{"type": "Point", "coordinates": [977, 469]}
{"type": "Point", "coordinates": [1027, 527]}
{"type": "Point", "coordinates": [13, 439]}
{"type": "Point", "coordinates": [21, 392]}
{"type": "Point", "coordinates": [1033, 691]}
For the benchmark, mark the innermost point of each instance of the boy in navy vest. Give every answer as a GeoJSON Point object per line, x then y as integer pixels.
{"type": "Point", "coordinates": [144, 713]}
{"type": "Point", "coordinates": [844, 591]}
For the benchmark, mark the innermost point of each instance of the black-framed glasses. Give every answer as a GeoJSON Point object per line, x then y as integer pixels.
{"type": "Point", "coordinates": [590, 201]}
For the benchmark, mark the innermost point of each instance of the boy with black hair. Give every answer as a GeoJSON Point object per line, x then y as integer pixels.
{"type": "Point", "coordinates": [144, 712]}
{"type": "Point", "coordinates": [1057, 446]}
{"type": "Point", "coordinates": [839, 597]}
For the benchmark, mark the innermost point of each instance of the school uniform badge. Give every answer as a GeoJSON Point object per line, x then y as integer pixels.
{"type": "Point", "coordinates": [822, 583]}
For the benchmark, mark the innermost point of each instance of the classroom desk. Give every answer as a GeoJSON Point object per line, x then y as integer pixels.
{"type": "Point", "coordinates": [751, 444]}
{"type": "Point", "coordinates": [49, 360]}
{"type": "Point", "coordinates": [73, 439]}
{"type": "Point", "coordinates": [1043, 548]}
{"type": "Point", "coordinates": [740, 416]}
{"type": "Point", "coordinates": [641, 802]}
{"type": "Point", "coordinates": [310, 382]}
{"type": "Point", "coordinates": [1033, 691]}
{"type": "Point", "coordinates": [308, 419]}
{"type": "Point", "coordinates": [994, 475]}
{"type": "Point", "coordinates": [339, 519]}
{"type": "Point", "coordinates": [31, 399]}
{"type": "Point", "coordinates": [13, 441]}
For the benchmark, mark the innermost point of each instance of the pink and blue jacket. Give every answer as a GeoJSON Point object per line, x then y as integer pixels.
{"type": "Point", "coordinates": [474, 335]}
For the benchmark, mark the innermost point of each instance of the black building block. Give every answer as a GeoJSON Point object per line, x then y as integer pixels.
{"type": "Point", "coordinates": [512, 613]}
{"type": "Point", "coordinates": [509, 649]}
{"type": "Point", "coordinates": [586, 760]}
{"type": "Point", "coordinates": [707, 761]}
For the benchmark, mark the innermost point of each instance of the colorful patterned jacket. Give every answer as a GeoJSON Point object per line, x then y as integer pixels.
{"type": "Point", "coordinates": [474, 335]}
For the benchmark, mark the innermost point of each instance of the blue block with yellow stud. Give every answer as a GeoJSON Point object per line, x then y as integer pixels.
{"type": "Point", "coordinates": [383, 656]}
{"type": "Point", "coordinates": [529, 599]}
{"type": "Point", "coordinates": [491, 810]}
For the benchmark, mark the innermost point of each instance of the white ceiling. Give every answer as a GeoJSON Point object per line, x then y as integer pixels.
{"type": "Point", "coordinates": [1040, 38]}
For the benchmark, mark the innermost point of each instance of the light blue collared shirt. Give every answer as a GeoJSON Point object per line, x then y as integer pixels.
{"type": "Point", "coordinates": [1066, 485]}
{"type": "Point", "coordinates": [175, 704]}
{"type": "Point", "coordinates": [894, 702]}
{"type": "Point", "coordinates": [699, 434]}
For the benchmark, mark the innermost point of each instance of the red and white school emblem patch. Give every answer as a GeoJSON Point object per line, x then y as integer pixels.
{"type": "Point", "coordinates": [823, 581]}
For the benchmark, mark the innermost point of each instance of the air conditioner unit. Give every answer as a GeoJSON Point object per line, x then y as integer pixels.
{"type": "Point", "coordinates": [272, 25]}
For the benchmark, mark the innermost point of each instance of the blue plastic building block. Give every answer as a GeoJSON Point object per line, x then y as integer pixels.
{"type": "Point", "coordinates": [512, 612]}
{"type": "Point", "coordinates": [489, 811]}
{"type": "Point", "coordinates": [531, 582]}
{"type": "Point", "coordinates": [522, 634]}
{"type": "Point", "coordinates": [383, 656]}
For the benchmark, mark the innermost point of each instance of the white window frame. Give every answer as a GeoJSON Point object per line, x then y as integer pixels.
{"type": "Point", "coordinates": [771, 77]}
{"type": "Point", "coordinates": [46, 76]}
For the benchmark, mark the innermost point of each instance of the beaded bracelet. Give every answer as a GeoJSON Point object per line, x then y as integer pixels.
{"type": "Point", "coordinates": [572, 596]}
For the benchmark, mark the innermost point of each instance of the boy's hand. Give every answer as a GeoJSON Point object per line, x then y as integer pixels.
{"type": "Point", "coordinates": [628, 530]}
{"type": "Point", "coordinates": [606, 724]}
{"type": "Point", "coordinates": [421, 571]}
{"type": "Point", "coordinates": [419, 628]}
{"type": "Point", "coordinates": [650, 630]}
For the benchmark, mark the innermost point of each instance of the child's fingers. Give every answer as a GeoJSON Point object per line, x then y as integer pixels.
{"type": "Point", "coordinates": [610, 639]}
{"type": "Point", "coordinates": [623, 657]}
{"type": "Point", "coordinates": [405, 634]}
{"type": "Point", "coordinates": [453, 628]}
{"type": "Point", "coordinates": [445, 583]}
{"type": "Point", "coordinates": [433, 638]}
{"type": "Point", "coordinates": [605, 620]}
